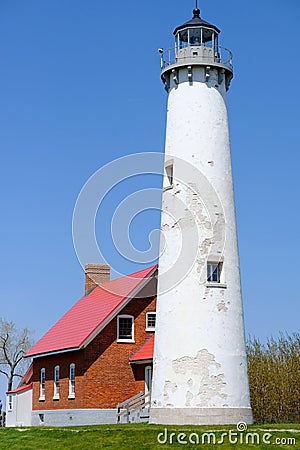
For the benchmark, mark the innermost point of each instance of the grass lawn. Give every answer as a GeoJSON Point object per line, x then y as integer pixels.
{"type": "Point", "coordinates": [144, 436]}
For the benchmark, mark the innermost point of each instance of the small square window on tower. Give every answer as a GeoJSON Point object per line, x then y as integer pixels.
{"type": "Point", "coordinates": [214, 272]}
{"type": "Point", "coordinates": [169, 176]}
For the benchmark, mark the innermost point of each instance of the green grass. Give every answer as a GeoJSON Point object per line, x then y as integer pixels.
{"type": "Point", "coordinates": [138, 437]}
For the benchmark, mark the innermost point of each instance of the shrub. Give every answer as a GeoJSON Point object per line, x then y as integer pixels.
{"type": "Point", "coordinates": [274, 377]}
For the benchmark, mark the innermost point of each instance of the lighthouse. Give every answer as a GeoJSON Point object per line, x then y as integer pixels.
{"type": "Point", "coordinates": [200, 364]}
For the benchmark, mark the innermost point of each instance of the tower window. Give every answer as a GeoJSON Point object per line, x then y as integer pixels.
{"type": "Point", "coordinates": [214, 272]}
{"type": "Point", "coordinates": [169, 172]}
{"type": "Point", "coordinates": [150, 321]}
{"type": "Point", "coordinates": [168, 178]}
{"type": "Point", "coordinates": [125, 328]}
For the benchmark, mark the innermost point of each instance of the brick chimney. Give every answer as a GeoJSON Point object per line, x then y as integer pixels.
{"type": "Point", "coordinates": [95, 274]}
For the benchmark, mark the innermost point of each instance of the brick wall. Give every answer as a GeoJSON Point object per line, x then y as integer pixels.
{"type": "Point", "coordinates": [104, 376]}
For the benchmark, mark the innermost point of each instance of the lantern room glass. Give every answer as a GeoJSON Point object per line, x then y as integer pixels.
{"type": "Point", "coordinates": [196, 36]}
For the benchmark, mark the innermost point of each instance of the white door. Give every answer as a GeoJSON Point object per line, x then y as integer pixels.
{"type": "Point", "coordinates": [148, 379]}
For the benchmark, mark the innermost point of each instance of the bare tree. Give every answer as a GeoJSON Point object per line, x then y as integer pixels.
{"type": "Point", "coordinates": [14, 344]}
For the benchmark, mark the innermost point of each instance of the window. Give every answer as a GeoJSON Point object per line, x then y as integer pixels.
{"type": "Point", "coordinates": [56, 383]}
{"type": "Point", "coordinates": [214, 272]}
{"type": "Point", "coordinates": [148, 379]}
{"type": "Point", "coordinates": [169, 175]}
{"type": "Point", "coordinates": [42, 384]}
{"type": "Point", "coordinates": [150, 321]}
{"type": "Point", "coordinates": [125, 328]}
{"type": "Point", "coordinates": [72, 381]}
{"type": "Point", "coordinates": [10, 403]}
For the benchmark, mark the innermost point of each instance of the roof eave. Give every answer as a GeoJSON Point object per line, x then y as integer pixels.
{"type": "Point", "coordinates": [54, 352]}
{"type": "Point", "coordinates": [195, 25]}
{"type": "Point", "coordinates": [142, 361]}
{"type": "Point", "coordinates": [20, 389]}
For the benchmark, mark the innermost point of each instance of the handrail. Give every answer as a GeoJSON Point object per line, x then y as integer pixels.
{"type": "Point", "coordinates": [131, 399]}
{"type": "Point", "coordinates": [136, 403]}
{"type": "Point", "coordinates": [170, 57]}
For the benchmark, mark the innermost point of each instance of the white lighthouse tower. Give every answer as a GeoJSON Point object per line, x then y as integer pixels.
{"type": "Point", "coordinates": [200, 366]}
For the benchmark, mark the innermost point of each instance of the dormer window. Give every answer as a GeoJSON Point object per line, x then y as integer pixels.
{"type": "Point", "coordinates": [150, 321]}
{"type": "Point", "coordinates": [125, 329]}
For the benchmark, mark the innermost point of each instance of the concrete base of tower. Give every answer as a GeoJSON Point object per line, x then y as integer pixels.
{"type": "Point", "coordinates": [200, 416]}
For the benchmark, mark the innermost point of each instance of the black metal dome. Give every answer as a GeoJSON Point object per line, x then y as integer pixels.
{"type": "Point", "coordinates": [196, 21]}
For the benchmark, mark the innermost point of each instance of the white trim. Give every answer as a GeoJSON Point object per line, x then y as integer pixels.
{"type": "Point", "coordinates": [150, 328]}
{"type": "Point", "coordinates": [123, 340]}
{"type": "Point", "coordinates": [212, 284]}
{"type": "Point", "coordinates": [57, 352]}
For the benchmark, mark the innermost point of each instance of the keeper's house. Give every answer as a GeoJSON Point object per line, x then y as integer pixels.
{"type": "Point", "coordinates": [98, 355]}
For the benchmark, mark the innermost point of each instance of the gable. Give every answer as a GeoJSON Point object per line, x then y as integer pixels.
{"type": "Point", "coordinates": [79, 326]}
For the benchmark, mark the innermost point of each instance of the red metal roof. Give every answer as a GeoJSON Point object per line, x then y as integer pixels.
{"type": "Point", "coordinates": [27, 377]}
{"type": "Point", "coordinates": [20, 389]}
{"type": "Point", "coordinates": [144, 353]}
{"type": "Point", "coordinates": [25, 382]}
{"type": "Point", "coordinates": [91, 312]}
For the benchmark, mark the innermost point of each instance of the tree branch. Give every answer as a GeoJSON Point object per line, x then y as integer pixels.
{"type": "Point", "coordinates": [4, 373]}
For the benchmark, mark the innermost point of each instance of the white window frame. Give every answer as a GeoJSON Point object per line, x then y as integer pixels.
{"type": "Point", "coordinates": [150, 328]}
{"type": "Point", "coordinates": [221, 277]}
{"type": "Point", "coordinates": [56, 383]}
{"type": "Point", "coordinates": [42, 384]}
{"type": "Point", "coordinates": [219, 270]}
{"type": "Point", "coordinates": [10, 402]}
{"type": "Point", "coordinates": [128, 341]}
{"type": "Point", "coordinates": [71, 381]}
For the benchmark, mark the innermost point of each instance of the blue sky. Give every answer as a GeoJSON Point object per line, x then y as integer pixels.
{"type": "Point", "coordinates": [80, 87]}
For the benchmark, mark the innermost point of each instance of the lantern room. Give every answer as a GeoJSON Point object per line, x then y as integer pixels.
{"type": "Point", "coordinates": [196, 45]}
{"type": "Point", "coordinates": [197, 32]}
